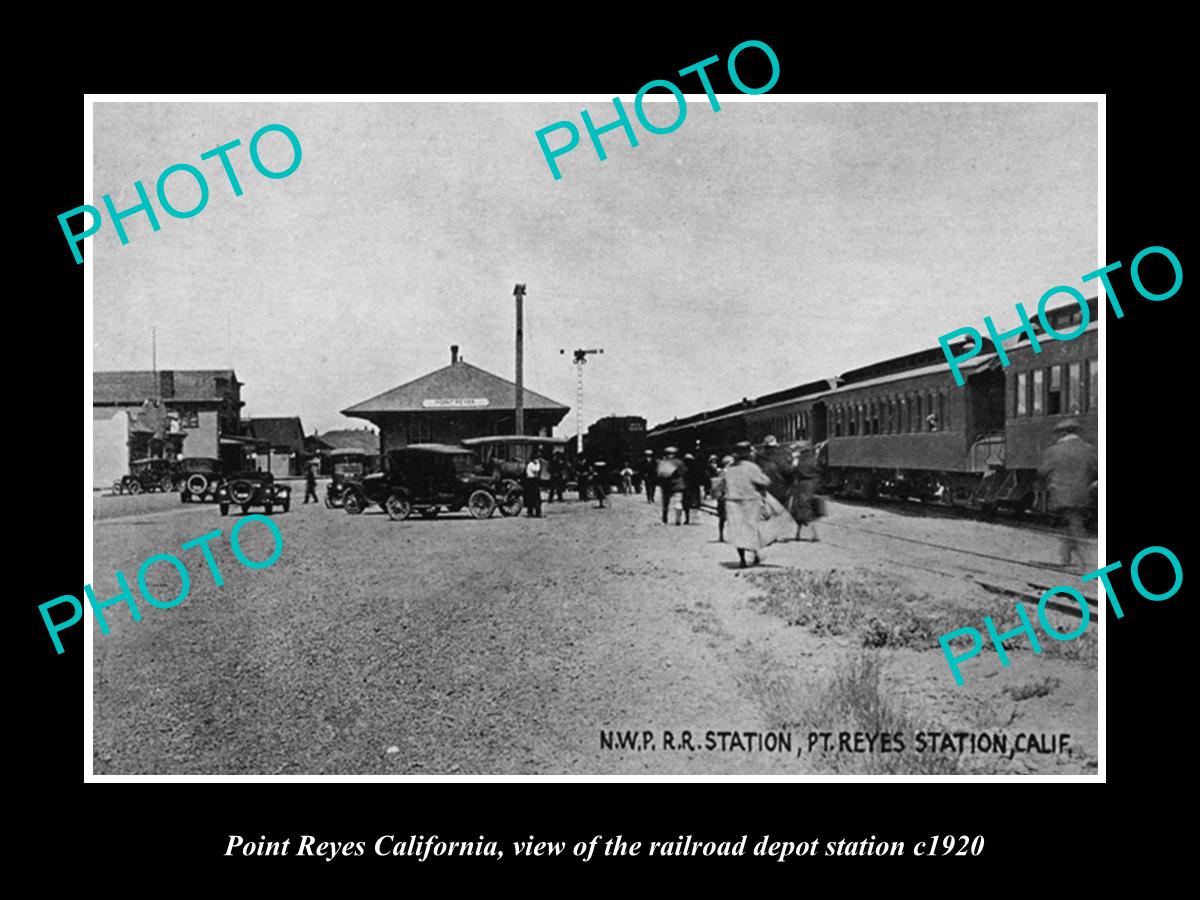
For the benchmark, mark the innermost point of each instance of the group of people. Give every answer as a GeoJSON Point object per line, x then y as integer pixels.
{"type": "Point", "coordinates": [761, 498]}
{"type": "Point", "coordinates": [679, 481]}
{"type": "Point", "coordinates": [767, 497]}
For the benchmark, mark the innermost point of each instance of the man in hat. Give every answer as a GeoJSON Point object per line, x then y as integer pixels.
{"type": "Point", "coordinates": [557, 466]}
{"type": "Point", "coordinates": [531, 486]}
{"type": "Point", "coordinates": [649, 469]}
{"type": "Point", "coordinates": [672, 481]}
{"type": "Point", "coordinates": [1069, 469]}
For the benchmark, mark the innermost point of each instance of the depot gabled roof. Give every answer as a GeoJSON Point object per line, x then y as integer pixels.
{"type": "Point", "coordinates": [458, 386]}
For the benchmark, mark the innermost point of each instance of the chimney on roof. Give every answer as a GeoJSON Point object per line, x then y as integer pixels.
{"type": "Point", "coordinates": [453, 354]}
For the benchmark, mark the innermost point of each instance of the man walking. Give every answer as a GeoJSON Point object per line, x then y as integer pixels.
{"type": "Point", "coordinates": [672, 481]}
{"type": "Point", "coordinates": [310, 483]}
{"type": "Point", "coordinates": [1069, 468]}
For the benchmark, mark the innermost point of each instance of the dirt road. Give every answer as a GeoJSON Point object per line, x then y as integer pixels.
{"type": "Point", "coordinates": [570, 644]}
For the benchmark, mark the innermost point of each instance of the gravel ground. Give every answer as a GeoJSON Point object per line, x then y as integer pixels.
{"type": "Point", "coordinates": [510, 646]}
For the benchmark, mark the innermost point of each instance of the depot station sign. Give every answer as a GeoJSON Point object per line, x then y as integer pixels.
{"type": "Point", "coordinates": [455, 403]}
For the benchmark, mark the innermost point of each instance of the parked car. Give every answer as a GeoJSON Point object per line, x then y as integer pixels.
{"type": "Point", "coordinates": [429, 478]}
{"type": "Point", "coordinates": [196, 478]}
{"type": "Point", "coordinates": [147, 475]}
{"type": "Point", "coordinates": [247, 489]}
{"type": "Point", "coordinates": [507, 454]}
{"type": "Point", "coordinates": [348, 465]}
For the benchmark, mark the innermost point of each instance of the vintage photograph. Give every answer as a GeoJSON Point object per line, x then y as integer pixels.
{"type": "Point", "coordinates": [410, 458]}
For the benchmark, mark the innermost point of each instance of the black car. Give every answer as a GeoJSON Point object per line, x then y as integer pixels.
{"type": "Point", "coordinates": [429, 478]}
{"type": "Point", "coordinates": [247, 489]}
{"type": "Point", "coordinates": [147, 475]}
{"type": "Point", "coordinates": [197, 478]}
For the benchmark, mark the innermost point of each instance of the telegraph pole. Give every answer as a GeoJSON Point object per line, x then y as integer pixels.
{"type": "Point", "coordinates": [519, 406]}
{"type": "Point", "coordinates": [580, 361]}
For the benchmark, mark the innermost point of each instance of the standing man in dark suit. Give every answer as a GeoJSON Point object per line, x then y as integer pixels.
{"type": "Point", "coordinates": [649, 474]}
{"type": "Point", "coordinates": [310, 482]}
{"type": "Point", "coordinates": [1069, 468]}
{"type": "Point", "coordinates": [557, 476]}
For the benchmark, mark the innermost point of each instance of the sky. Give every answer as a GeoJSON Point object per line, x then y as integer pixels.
{"type": "Point", "coordinates": [762, 246]}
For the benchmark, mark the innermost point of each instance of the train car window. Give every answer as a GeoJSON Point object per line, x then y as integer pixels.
{"type": "Point", "coordinates": [1074, 388]}
{"type": "Point", "coordinates": [1054, 393]}
{"type": "Point", "coordinates": [942, 423]}
{"type": "Point", "coordinates": [920, 413]}
{"type": "Point", "coordinates": [1039, 391]}
{"type": "Point", "coordinates": [1022, 393]}
{"type": "Point", "coordinates": [1093, 385]}
{"type": "Point", "coordinates": [875, 412]}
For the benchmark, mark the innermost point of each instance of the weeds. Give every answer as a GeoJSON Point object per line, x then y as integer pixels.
{"type": "Point", "coordinates": [853, 702]}
{"type": "Point", "coordinates": [1030, 690]}
{"type": "Point", "coordinates": [883, 614]}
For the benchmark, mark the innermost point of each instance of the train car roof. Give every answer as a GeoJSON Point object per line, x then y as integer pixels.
{"type": "Point", "coordinates": [972, 365]}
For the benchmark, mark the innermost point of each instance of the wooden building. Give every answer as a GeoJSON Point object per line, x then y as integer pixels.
{"type": "Point", "coordinates": [455, 402]}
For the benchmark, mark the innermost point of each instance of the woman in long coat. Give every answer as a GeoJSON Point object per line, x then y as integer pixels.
{"type": "Point", "coordinates": [744, 484]}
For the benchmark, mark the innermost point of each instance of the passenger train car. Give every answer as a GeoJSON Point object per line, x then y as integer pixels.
{"type": "Point", "coordinates": [903, 428]}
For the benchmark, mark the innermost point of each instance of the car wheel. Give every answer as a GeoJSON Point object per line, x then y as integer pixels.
{"type": "Point", "coordinates": [197, 484]}
{"type": "Point", "coordinates": [166, 484]}
{"type": "Point", "coordinates": [118, 488]}
{"type": "Point", "coordinates": [397, 507]}
{"type": "Point", "coordinates": [512, 504]}
{"type": "Point", "coordinates": [269, 507]}
{"type": "Point", "coordinates": [242, 492]}
{"type": "Point", "coordinates": [135, 487]}
{"type": "Point", "coordinates": [353, 503]}
{"type": "Point", "coordinates": [286, 505]}
{"type": "Point", "coordinates": [328, 501]}
{"type": "Point", "coordinates": [224, 509]}
{"type": "Point", "coordinates": [481, 504]}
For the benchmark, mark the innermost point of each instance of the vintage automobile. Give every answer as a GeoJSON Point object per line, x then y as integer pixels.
{"type": "Point", "coordinates": [505, 456]}
{"type": "Point", "coordinates": [429, 478]}
{"type": "Point", "coordinates": [147, 475]}
{"type": "Point", "coordinates": [348, 465]}
{"type": "Point", "coordinates": [247, 489]}
{"type": "Point", "coordinates": [196, 478]}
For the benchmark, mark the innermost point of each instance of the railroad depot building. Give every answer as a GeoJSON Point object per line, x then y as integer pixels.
{"type": "Point", "coordinates": [455, 402]}
{"type": "Point", "coordinates": [165, 414]}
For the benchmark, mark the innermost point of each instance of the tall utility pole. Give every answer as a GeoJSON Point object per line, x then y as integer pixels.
{"type": "Point", "coordinates": [580, 361]}
{"type": "Point", "coordinates": [519, 406]}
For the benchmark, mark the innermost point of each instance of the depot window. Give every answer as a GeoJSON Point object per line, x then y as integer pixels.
{"type": "Point", "coordinates": [1075, 387]}
{"type": "Point", "coordinates": [1054, 395]}
{"type": "Point", "coordinates": [1039, 391]}
{"type": "Point", "coordinates": [1093, 397]}
{"type": "Point", "coordinates": [1022, 395]}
